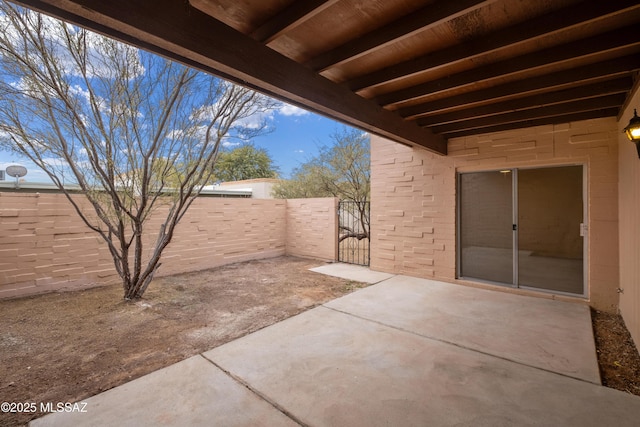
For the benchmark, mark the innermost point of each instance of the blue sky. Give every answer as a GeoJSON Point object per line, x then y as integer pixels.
{"type": "Point", "coordinates": [296, 138]}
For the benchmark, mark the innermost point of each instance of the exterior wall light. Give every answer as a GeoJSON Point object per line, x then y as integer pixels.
{"type": "Point", "coordinates": [633, 131]}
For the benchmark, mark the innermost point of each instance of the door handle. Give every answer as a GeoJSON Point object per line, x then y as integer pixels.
{"type": "Point", "coordinates": [583, 229]}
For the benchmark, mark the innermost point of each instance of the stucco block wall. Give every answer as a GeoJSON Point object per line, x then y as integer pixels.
{"type": "Point", "coordinates": [218, 231]}
{"type": "Point", "coordinates": [312, 228]}
{"type": "Point", "coordinates": [44, 245]}
{"type": "Point", "coordinates": [413, 209]}
{"type": "Point", "coordinates": [629, 190]}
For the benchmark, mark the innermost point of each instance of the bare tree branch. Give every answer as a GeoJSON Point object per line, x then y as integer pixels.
{"type": "Point", "coordinates": [133, 130]}
{"type": "Point", "coordinates": [341, 170]}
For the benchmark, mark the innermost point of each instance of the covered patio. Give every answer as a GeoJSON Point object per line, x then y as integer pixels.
{"type": "Point", "coordinates": [445, 89]}
{"type": "Point", "coordinates": [404, 351]}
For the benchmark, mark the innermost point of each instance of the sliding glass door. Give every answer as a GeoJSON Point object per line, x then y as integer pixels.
{"type": "Point", "coordinates": [550, 211]}
{"type": "Point", "coordinates": [523, 227]}
{"type": "Point", "coordinates": [486, 219]}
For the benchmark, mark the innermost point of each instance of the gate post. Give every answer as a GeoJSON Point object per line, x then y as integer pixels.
{"type": "Point", "coordinates": [336, 228]}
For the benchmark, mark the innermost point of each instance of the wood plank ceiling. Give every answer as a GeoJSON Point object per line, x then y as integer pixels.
{"type": "Point", "coordinates": [416, 71]}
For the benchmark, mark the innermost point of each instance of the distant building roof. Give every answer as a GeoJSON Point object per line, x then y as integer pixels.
{"type": "Point", "coordinates": [30, 187]}
{"type": "Point", "coordinates": [251, 181]}
{"type": "Point", "coordinates": [261, 188]}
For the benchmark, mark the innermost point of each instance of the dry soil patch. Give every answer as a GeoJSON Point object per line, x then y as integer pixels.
{"type": "Point", "coordinates": [64, 347]}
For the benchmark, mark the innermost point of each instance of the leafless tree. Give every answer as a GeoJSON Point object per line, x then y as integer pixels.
{"type": "Point", "coordinates": [133, 131]}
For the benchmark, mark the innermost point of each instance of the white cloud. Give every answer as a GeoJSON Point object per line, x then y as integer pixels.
{"type": "Point", "coordinates": [55, 162]}
{"type": "Point", "coordinates": [291, 110]}
{"type": "Point", "coordinates": [228, 144]}
{"type": "Point", "coordinates": [255, 120]}
{"type": "Point", "coordinates": [4, 165]}
{"type": "Point", "coordinates": [97, 47]}
{"type": "Point", "coordinates": [298, 151]}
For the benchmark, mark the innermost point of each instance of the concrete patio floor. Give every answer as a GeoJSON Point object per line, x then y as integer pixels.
{"type": "Point", "coordinates": [402, 352]}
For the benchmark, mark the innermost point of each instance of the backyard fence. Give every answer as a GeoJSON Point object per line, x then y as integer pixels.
{"type": "Point", "coordinates": [44, 246]}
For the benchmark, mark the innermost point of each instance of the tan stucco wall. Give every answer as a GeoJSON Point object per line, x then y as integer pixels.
{"type": "Point", "coordinates": [413, 209]}
{"type": "Point", "coordinates": [217, 231]}
{"type": "Point", "coordinates": [312, 228]}
{"type": "Point", "coordinates": [629, 189]}
{"type": "Point", "coordinates": [44, 246]}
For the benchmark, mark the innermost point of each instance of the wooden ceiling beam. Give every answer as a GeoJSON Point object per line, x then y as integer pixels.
{"type": "Point", "coordinates": [613, 40]}
{"type": "Point", "coordinates": [606, 69]}
{"type": "Point", "coordinates": [573, 117]}
{"type": "Point", "coordinates": [175, 29]}
{"type": "Point", "coordinates": [598, 103]}
{"type": "Point", "coordinates": [417, 21]}
{"type": "Point", "coordinates": [294, 15]}
{"type": "Point", "coordinates": [616, 86]}
{"type": "Point", "coordinates": [580, 14]}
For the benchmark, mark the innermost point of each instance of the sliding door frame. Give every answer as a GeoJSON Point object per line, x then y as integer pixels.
{"type": "Point", "coordinates": [515, 245]}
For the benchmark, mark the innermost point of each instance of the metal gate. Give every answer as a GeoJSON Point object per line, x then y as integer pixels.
{"type": "Point", "coordinates": [353, 232]}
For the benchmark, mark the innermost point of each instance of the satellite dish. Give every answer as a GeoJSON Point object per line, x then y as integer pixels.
{"type": "Point", "coordinates": [16, 171]}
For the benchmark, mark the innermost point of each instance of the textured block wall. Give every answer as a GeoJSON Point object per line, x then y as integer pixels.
{"type": "Point", "coordinates": [44, 245]}
{"type": "Point", "coordinates": [629, 189]}
{"type": "Point", "coordinates": [413, 209]}
{"type": "Point", "coordinates": [312, 228]}
{"type": "Point", "coordinates": [217, 231]}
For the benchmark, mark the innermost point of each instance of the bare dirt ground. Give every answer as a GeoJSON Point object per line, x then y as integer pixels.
{"type": "Point", "coordinates": [64, 347]}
